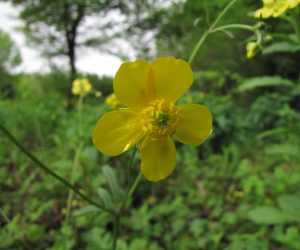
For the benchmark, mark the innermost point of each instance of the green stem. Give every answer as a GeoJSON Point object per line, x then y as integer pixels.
{"type": "Point", "coordinates": [223, 12]}
{"type": "Point", "coordinates": [294, 22]}
{"type": "Point", "coordinates": [77, 154]}
{"type": "Point", "coordinates": [49, 171]}
{"type": "Point", "coordinates": [233, 26]}
{"type": "Point", "coordinates": [116, 231]}
{"type": "Point", "coordinates": [206, 33]}
{"type": "Point", "coordinates": [130, 164]}
{"type": "Point", "coordinates": [206, 12]}
{"type": "Point", "coordinates": [73, 171]}
{"type": "Point", "coordinates": [80, 106]}
{"type": "Point", "coordinates": [197, 47]}
{"type": "Point", "coordinates": [129, 192]}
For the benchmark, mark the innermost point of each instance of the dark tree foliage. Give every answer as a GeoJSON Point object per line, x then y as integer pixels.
{"type": "Point", "coordinates": [59, 27]}
{"type": "Point", "coordinates": [9, 58]}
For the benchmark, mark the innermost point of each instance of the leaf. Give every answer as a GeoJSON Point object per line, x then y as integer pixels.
{"type": "Point", "coordinates": [290, 204]}
{"type": "Point", "coordinates": [271, 132]}
{"type": "Point", "coordinates": [138, 244]}
{"type": "Point", "coordinates": [281, 47]}
{"type": "Point", "coordinates": [117, 192]}
{"type": "Point", "coordinates": [86, 210]}
{"type": "Point", "coordinates": [268, 215]}
{"type": "Point", "coordinates": [264, 81]}
{"type": "Point", "coordinates": [105, 197]}
{"type": "Point", "coordinates": [285, 150]}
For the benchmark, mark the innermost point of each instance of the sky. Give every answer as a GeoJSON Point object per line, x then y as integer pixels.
{"type": "Point", "coordinates": [90, 60]}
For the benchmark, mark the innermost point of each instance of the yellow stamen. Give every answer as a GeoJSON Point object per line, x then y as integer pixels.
{"type": "Point", "coordinates": [159, 118]}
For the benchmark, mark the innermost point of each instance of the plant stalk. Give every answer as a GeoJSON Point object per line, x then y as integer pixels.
{"type": "Point", "coordinates": [50, 172]}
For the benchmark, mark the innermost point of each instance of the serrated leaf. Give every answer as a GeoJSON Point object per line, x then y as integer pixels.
{"type": "Point", "coordinates": [290, 204]}
{"type": "Point", "coordinates": [105, 197]}
{"type": "Point", "coordinates": [117, 192]}
{"type": "Point", "coordinates": [268, 215]}
{"type": "Point", "coordinates": [264, 81]}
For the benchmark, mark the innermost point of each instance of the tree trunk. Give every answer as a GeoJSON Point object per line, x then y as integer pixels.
{"type": "Point", "coordinates": [71, 39]}
{"type": "Point", "coordinates": [71, 35]}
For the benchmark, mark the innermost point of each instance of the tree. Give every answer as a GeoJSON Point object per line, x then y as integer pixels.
{"type": "Point", "coordinates": [9, 58]}
{"type": "Point", "coordinates": [9, 53]}
{"type": "Point", "coordinates": [60, 27]}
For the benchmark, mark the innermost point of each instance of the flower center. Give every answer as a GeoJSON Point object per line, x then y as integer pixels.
{"type": "Point", "coordinates": [160, 118]}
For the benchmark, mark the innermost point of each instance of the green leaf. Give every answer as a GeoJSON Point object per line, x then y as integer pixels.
{"type": "Point", "coordinates": [268, 215]}
{"type": "Point", "coordinates": [86, 210]}
{"type": "Point", "coordinates": [105, 197]}
{"type": "Point", "coordinates": [117, 192]}
{"type": "Point", "coordinates": [264, 81]}
{"type": "Point", "coordinates": [281, 47]}
{"type": "Point", "coordinates": [271, 132]}
{"type": "Point", "coordinates": [290, 204]}
{"type": "Point", "coordinates": [138, 244]}
{"type": "Point", "coordinates": [285, 150]}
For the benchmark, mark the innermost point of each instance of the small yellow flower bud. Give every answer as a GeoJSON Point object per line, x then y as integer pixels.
{"type": "Point", "coordinates": [252, 49]}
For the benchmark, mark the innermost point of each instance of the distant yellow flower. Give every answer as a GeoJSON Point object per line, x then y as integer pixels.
{"type": "Point", "coordinates": [252, 49]}
{"type": "Point", "coordinates": [98, 94]}
{"type": "Point", "coordinates": [150, 91]}
{"type": "Point", "coordinates": [81, 87]}
{"type": "Point", "coordinates": [274, 8]}
{"type": "Point", "coordinates": [112, 101]}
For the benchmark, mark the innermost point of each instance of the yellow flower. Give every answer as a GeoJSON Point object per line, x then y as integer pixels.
{"type": "Point", "coordinates": [275, 8]}
{"type": "Point", "coordinates": [81, 87]}
{"type": "Point", "coordinates": [252, 49]}
{"type": "Point", "coordinates": [151, 119]}
{"type": "Point", "coordinates": [98, 94]}
{"type": "Point", "coordinates": [112, 101]}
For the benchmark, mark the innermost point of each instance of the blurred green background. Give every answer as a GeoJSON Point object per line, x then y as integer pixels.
{"type": "Point", "coordinates": [240, 190]}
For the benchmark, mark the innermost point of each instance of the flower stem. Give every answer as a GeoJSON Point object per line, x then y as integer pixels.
{"type": "Point", "coordinates": [206, 33]}
{"type": "Point", "coordinates": [73, 171]}
{"type": "Point", "coordinates": [80, 124]}
{"type": "Point", "coordinates": [197, 47]}
{"type": "Point", "coordinates": [77, 155]}
{"type": "Point", "coordinates": [233, 26]}
{"type": "Point", "coordinates": [223, 12]}
{"type": "Point", "coordinates": [50, 172]}
{"type": "Point", "coordinates": [116, 231]}
{"type": "Point", "coordinates": [129, 166]}
{"type": "Point", "coordinates": [129, 192]}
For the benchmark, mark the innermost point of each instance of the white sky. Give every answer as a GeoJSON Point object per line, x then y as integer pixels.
{"type": "Point", "coordinates": [92, 61]}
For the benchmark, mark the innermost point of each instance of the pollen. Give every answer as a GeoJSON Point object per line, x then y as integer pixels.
{"type": "Point", "coordinates": [159, 118]}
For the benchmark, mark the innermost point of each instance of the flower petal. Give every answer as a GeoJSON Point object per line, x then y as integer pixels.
{"type": "Point", "coordinates": [173, 77]}
{"type": "Point", "coordinates": [194, 124]}
{"type": "Point", "coordinates": [158, 158]}
{"type": "Point", "coordinates": [134, 84]}
{"type": "Point", "coordinates": [116, 132]}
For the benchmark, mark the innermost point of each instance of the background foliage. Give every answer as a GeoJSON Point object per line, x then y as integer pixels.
{"type": "Point", "coordinates": [240, 190]}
